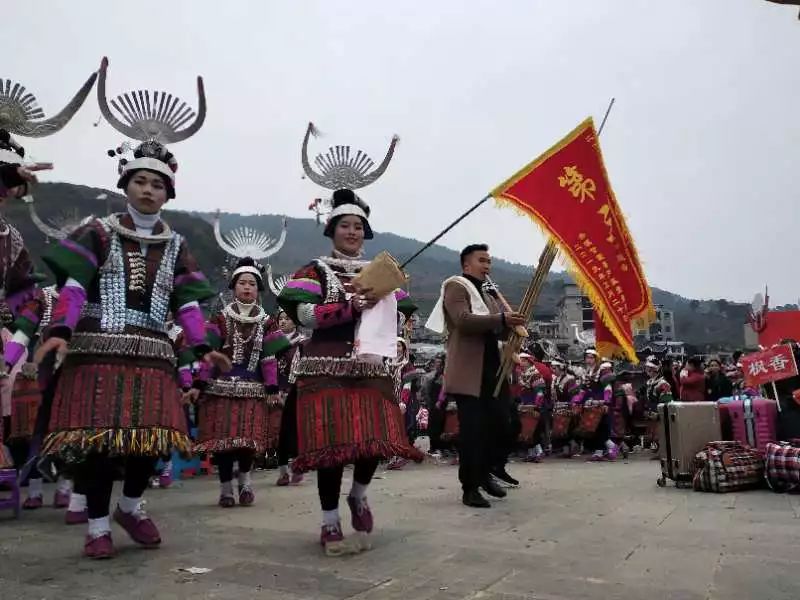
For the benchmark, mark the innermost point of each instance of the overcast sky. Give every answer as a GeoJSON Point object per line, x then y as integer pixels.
{"type": "Point", "coordinates": [701, 146]}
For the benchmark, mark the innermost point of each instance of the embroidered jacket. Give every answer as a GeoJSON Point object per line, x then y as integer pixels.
{"type": "Point", "coordinates": [112, 282]}
{"type": "Point", "coordinates": [252, 344]}
{"type": "Point", "coordinates": [318, 297]}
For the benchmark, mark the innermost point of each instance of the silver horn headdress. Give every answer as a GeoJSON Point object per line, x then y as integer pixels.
{"type": "Point", "coordinates": [160, 117]}
{"type": "Point", "coordinates": [276, 284]}
{"type": "Point", "coordinates": [339, 168]}
{"type": "Point", "coordinates": [21, 114]}
{"type": "Point", "coordinates": [245, 241]}
{"type": "Point", "coordinates": [62, 226]}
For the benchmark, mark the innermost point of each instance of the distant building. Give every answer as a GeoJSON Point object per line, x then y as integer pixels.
{"type": "Point", "coordinates": [574, 311]}
{"type": "Point", "coordinates": [544, 329]}
{"type": "Point", "coordinates": [662, 329]}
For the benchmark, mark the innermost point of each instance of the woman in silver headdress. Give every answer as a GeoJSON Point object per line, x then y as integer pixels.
{"type": "Point", "coordinates": [117, 401]}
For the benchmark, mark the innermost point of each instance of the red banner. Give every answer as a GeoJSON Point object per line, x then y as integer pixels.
{"type": "Point", "coordinates": [604, 341]}
{"type": "Point", "coordinates": [770, 365]}
{"type": "Point", "coordinates": [566, 191]}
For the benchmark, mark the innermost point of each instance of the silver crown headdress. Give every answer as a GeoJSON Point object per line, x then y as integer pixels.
{"type": "Point", "coordinates": [20, 112]}
{"type": "Point", "coordinates": [159, 117]}
{"type": "Point", "coordinates": [338, 168]}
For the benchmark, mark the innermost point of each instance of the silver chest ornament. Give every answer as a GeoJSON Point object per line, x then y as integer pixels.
{"type": "Point", "coordinates": [113, 311]}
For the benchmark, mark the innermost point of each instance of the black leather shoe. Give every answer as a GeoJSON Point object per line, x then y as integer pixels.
{"type": "Point", "coordinates": [503, 476]}
{"type": "Point", "coordinates": [475, 499]}
{"type": "Point", "coordinates": [491, 488]}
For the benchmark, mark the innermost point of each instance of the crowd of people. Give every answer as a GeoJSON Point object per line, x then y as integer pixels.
{"type": "Point", "coordinates": [118, 367]}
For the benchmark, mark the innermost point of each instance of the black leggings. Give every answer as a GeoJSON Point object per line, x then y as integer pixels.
{"type": "Point", "coordinates": [329, 481]}
{"type": "Point", "coordinates": [224, 461]}
{"type": "Point", "coordinates": [95, 478]}
{"type": "Point", "coordinates": [287, 439]}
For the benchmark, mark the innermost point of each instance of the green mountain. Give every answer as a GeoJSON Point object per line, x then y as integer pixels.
{"type": "Point", "coordinates": [708, 322]}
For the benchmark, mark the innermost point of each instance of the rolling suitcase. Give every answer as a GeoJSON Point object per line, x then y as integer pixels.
{"type": "Point", "coordinates": [754, 421]}
{"type": "Point", "coordinates": [684, 428]}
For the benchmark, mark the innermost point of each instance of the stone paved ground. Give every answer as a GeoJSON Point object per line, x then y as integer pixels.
{"type": "Point", "coordinates": [574, 530]}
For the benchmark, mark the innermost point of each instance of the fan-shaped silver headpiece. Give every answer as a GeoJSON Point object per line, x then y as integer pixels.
{"type": "Point", "coordinates": [339, 169]}
{"type": "Point", "coordinates": [158, 116]}
{"type": "Point", "coordinates": [245, 241]}
{"type": "Point", "coordinates": [20, 112]}
{"type": "Point", "coordinates": [62, 226]}
{"type": "Point", "coordinates": [276, 284]}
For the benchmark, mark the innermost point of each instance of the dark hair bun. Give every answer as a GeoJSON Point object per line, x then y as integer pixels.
{"type": "Point", "coordinates": [348, 196]}
{"type": "Point", "coordinates": [248, 261]}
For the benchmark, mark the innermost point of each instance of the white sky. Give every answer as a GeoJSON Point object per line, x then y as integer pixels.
{"type": "Point", "coordinates": [701, 146]}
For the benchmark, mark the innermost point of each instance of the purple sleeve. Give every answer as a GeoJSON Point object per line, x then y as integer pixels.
{"type": "Point", "coordinates": [190, 318]}
{"type": "Point", "coordinates": [67, 311]}
{"type": "Point", "coordinates": [269, 372]}
{"type": "Point", "coordinates": [185, 377]}
{"type": "Point", "coordinates": [13, 352]}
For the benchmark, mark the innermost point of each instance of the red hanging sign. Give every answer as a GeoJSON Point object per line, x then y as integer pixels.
{"type": "Point", "coordinates": [770, 365]}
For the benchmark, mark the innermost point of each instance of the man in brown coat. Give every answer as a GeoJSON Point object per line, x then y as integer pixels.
{"type": "Point", "coordinates": [475, 324]}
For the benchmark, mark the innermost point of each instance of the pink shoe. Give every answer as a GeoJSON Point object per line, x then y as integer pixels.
{"type": "Point", "coordinates": [99, 547]}
{"type": "Point", "coordinates": [597, 458]}
{"type": "Point", "coordinates": [165, 479]}
{"type": "Point", "coordinates": [396, 464]}
{"type": "Point", "coordinates": [297, 478]}
{"type": "Point", "coordinates": [76, 517]}
{"type": "Point", "coordinates": [612, 454]}
{"type": "Point", "coordinates": [332, 540]}
{"type": "Point", "coordinates": [61, 499]}
{"type": "Point", "coordinates": [246, 496]}
{"type": "Point", "coordinates": [227, 501]}
{"type": "Point", "coordinates": [139, 526]}
{"type": "Point", "coordinates": [33, 502]}
{"type": "Point", "coordinates": [283, 480]}
{"type": "Point", "coordinates": [361, 513]}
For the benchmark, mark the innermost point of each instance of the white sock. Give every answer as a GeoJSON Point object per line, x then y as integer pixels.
{"type": "Point", "coordinates": [244, 480]}
{"type": "Point", "coordinates": [129, 505]}
{"type": "Point", "coordinates": [537, 451]}
{"type": "Point", "coordinates": [610, 445]}
{"type": "Point", "coordinates": [34, 488]}
{"type": "Point", "coordinates": [167, 469]}
{"type": "Point", "coordinates": [77, 502]}
{"type": "Point", "coordinates": [64, 485]}
{"type": "Point", "coordinates": [359, 490]}
{"type": "Point", "coordinates": [226, 488]}
{"type": "Point", "coordinates": [330, 517]}
{"type": "Point", "coordinates": [98, 527]}
{"type": "Point", "coordinates": [283, 470]}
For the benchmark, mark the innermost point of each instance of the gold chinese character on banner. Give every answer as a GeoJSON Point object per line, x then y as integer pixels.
{"type": "Point", "coordinates": [579, 186]}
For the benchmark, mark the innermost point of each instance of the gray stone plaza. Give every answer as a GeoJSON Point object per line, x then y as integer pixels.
{"type": "Point", "coordinates": [574, 530]}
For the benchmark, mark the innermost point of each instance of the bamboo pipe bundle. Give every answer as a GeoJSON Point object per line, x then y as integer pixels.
{"type": "Point", "coordinates": [529, 299]}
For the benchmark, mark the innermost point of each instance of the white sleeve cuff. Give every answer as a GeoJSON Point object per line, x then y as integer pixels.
{"type": "Point", "coordinates": [20, 337]}
{"type": "Point", "coordinates": [73, 283]}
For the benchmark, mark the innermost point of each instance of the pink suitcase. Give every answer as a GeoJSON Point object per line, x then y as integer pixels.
{"type": "Point", "coordinates": [754, 421]}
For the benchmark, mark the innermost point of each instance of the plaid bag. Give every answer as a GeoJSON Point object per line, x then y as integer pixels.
{"type": "Point", "coordinates": [727, 467]}
{"type": "Point", "coordinates": [783, 465]}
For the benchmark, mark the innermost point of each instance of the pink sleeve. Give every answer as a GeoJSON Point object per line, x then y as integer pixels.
{"type": "Point", "coordinates": [332, 314]}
